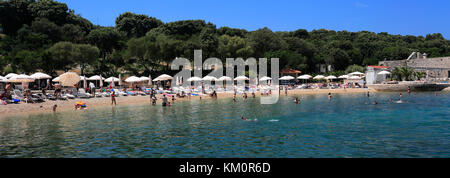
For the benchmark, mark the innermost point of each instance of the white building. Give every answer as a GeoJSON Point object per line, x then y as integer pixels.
{"type": "Point", "coordinates": [372, 76]}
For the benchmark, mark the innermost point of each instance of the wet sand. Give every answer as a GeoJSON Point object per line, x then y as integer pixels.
{"type": "Point", "coordinates": [46, 107]}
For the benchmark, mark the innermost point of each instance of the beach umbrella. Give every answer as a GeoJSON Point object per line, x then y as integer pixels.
{"type": "Point", "coordinates": [133, 79]}
{"type": "Point", "coordinates": [69, 79]}
{"type": "Point", "coordinates": [112, 79]}
{"type": "Point", "coordinates": [150, 80]}
{"type": "Point", "coordinates": [331, 77]}
{"type": "Point", "coordinates": [163, 77]}
{"type": "Point", "coordinates": [384, 73]}
{"type": "Point", "coordinates": [224, 78]}
{"type": "Point", "coordinates": [287, 78]}
{"type": "Point", "coordinates": [101, 81]}
{"type": "Point", "coordinates": [21, 78]}
{"type": "Point", "coordinates": [319, 77]}
{"type": "Point", "coordinates": [84, 82]}
{"type": "Point", "coordinates": [355, 78]}
{"type": "Point", "coordinates": [209, 78]}
{"type": "Point", "coordinates": [95, 77]}
{"type": "Point", "coordinates": [194, 79]}
{"type": "Point", "coordinates": [144, 79]}
{"type": "Point", "coordinates": [306, 76]}
{"type": "Point", "coordinates": [10, 75]}
{"type": "Point", "coordinates": [56, 79]}
{"type": "Point", "coordinates": [356, 73]}
{"type": "Point", "coordinates": [40, 75]}
{"type": "Point", "coordinates": [120, 79]}
{"type": "Point", "coordinates": [241, 78]}
{"type": "Point", "coordinates": [3, 79]}
{"type": "Point", "coordinates": [265, 78]}
{"type": "Point", "coordinates": [344, 77]}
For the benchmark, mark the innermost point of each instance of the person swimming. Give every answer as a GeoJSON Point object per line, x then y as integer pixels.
{"type": "Point", "coordinates": [375, 103]}
{"type": "Point", "coordinates": [243, 118]}
{"type": "Point", "coordinates": [399, 101]}
{"type": "Point", "coordinates": [391, 100]}
{"type": "Point", "coordinates": [296, 100]}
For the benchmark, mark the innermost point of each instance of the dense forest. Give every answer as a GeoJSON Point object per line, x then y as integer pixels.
{"type": "Point", "coordinates": [47, 36]}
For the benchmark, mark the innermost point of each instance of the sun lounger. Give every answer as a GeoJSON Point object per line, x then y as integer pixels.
{"type": "Point", "coordinates": [19, 95]}
{"type": "Point", "coordinates": [82, 94]}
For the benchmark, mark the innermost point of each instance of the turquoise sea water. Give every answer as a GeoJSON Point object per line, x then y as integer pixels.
{"type": "Point", "coordinates": [347, 126]}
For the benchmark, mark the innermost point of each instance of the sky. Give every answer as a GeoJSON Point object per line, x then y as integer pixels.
{"type": "Point", "coordinates": [405, 17]}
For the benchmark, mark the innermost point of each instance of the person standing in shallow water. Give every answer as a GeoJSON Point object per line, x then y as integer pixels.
{"type": "Point", "coordinates": [368, 94]}
{"type": "Point", "coordinates": [329, 96]}
{"type": "Point", "coordinates": [113, 98]}
{"type": "Point", "coordinates": [409, 90]}
{"type": "Point", "coordinates": [164, 100]}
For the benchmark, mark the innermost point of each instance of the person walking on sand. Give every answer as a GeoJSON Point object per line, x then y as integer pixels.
{"type": "Point", "coordinates": [113, 98]}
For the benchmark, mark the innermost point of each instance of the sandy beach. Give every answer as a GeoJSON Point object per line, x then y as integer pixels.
{"type": "Point", "coordinates": [46, 107]}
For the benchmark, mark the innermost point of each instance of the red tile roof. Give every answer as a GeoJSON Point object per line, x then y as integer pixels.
{"type": "Point", "coordinates": [379, 67]}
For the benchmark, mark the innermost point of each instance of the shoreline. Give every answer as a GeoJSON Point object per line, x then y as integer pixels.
{"type": "Point", "coordinates": [24, 109]}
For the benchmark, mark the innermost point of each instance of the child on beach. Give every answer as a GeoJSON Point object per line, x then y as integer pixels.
{"type": "Point", "coordinates": [54, 107]}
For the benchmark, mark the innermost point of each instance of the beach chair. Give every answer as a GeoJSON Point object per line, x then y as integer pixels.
{"type": "Point", "coordinates": [82, 94]}
{"type": "Point", "coordinates": [19, 95]}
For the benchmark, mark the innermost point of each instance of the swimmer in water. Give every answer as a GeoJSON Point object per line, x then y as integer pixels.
{"type": "Point", "coordinates": [243, 118]}
{"type": "Point", "coordinates": [368, 94]}
{"type": "Point", "coordinates": [399, 100]}
{"type": "Point", "coordinates": [390, 100]}
{"type": "Point", "coordinates": [435, 93]}
{"type": "Point", "coordinates": [401, 95]}
{"type": "Point", "coordinates": [297, 101]}
{"type": "Point", "coordinates": [329, 96]}
{"type": "Point", "coordinates": [409, 90]}
{"type": "Point", "coordinates": [375, 103]}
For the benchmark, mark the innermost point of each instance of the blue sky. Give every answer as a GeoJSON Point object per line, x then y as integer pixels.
{"type": "Point", "coordinates": [393, 16]}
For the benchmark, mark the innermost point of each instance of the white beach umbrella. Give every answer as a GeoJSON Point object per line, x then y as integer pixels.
{"type": "Point", "coordinates": [331, 77]}
{"type": "Point", "coordinates": [101, 81]}
{"type": "Point", "coordinates": [40, 75]}
{"type": "Point", "coordinates": [163, 77]}
{"type": "Point", "coordinates": [241, 78]}
{"type": "Point", "coordinates": [10, 75]}
{"type": "Point", "coordinates": [21, 78]}
{"type": "Point", "coordinates": [384, 73]}
{"type": "Point", "coordinates": [306, 76]}
{"type": "Point", "coordinates": [344, 77]}
{"type": "Point", "coordinates": [95, 77]}
{"type": "Point", "coordinates": [224, 78]}
{"type": "Point", "coordinates": [194, 79]}
{"type": "Point", "coordinates": [84, 82]}
{"type": "Point", "coordinates": [150, 80]}
{"type": "Point", "coordinates": [356, 73]}
{"type": "Point", "coordinates": [287, 78]}
{"type": "Point", "coordinates": [355, 78]}
{"type": "Point", "coordinates": [120, 79]}
{"type": "Point", "coordinates": [132, 79]}
{"type": "Point", "coordinates": [144, 79]}
{"type": "Point", "coordinates": [3, 79]}
{"type": "Point", "coordinates": [83, 78]}
{"type": "Point", "coordinates": [319, 77]}
{"type": "Point", "coordinates": [209, 78]}
{"type": "Point", "coordinates": [56, 79]}
{"type": "Point", "coordinates": [265, 78]}
{"type": "Point", "coordinates": [112, 79]}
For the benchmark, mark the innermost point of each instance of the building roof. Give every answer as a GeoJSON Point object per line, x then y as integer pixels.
{"type": "Point", "coordinates": [290, 71]}
{"type": "Point", "coordinates": [379, 67]}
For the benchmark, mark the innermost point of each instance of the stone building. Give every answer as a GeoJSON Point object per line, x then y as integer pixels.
{"type": "Point", "coordinates": [437, 69]}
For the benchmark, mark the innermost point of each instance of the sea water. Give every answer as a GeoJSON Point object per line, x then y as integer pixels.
{"type": "Point", "coordinates": [348, 125]}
